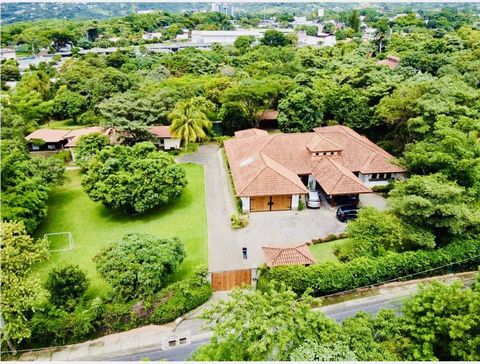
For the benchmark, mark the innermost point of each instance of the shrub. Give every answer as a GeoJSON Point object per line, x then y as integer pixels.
{"type": "Point", "coordinates": [138, 265]}
{"type": "Point", "coordinates": [239, 221]}
{"type": "Point", "coordinates": [66, 285]}
{"type": "Point", "coordinates": [301, 205]}
{"type": "Point", "coordinates": [329, 278]}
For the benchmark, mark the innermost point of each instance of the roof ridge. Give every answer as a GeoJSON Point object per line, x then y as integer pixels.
{"type": "Point", "coordinates": [255, 176]}
{"type": "Point", "coordinates": [279, 172]}
{"type": "Point", "coordinates": [298, 250]}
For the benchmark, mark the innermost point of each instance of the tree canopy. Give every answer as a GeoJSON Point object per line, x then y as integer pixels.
{"type": "Point", "coordinates": [135, 179]}
{"type": "Point", "coordinates": [138, 265]}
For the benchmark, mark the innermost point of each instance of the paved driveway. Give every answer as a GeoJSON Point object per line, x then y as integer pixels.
{"type": "Point", "coordinates": [265, 228]}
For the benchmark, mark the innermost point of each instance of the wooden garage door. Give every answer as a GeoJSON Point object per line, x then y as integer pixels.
{"type": "Point", "coordinates": [224, 281]}
{"type": "Point", "coordinates": [260, 203]}
{"type": "Point", "coordinates": [282, 202]}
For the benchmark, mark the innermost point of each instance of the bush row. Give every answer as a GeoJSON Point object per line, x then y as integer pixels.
{"type": "Point", "coordinates": [54, 326]}
{"type": "Point", "coordinates": [330, 278]}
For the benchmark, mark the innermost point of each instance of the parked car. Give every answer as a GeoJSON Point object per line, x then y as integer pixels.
{"type": "Point", "coordinates": [343, 200]}
{"type": "Point", "coordinates": [313, 200]}
{"type": "Point", "coordinates": [348, 212]}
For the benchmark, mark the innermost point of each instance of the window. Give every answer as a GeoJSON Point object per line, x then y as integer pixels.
{"type": "Point", "coordinates": [51, 147]}
{"type": "Point", "coordinates": [317, 153]}
{"type": "Point", "coordinates": [183, 340]}
{"type": "Point", "coordinates": [388, 176]}
{"type": "Point", "coordinates": [374, 176]}
{"type": "Point", "coordinates": [172, 343]}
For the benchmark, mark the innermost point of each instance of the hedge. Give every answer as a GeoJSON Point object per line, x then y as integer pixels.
{"type": "Point", "coordinates": [329, 278]}
{"type": "Point", "coordinates": [54, 326]}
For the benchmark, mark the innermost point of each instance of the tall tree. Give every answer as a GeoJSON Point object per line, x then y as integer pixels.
{"type": "Point", "coordinates": [21, 291]}
{"type": "Point", "coordinates": [262, 326]}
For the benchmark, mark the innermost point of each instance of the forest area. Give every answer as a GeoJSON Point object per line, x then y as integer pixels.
{"type": "Point", "coordinates": [425, 112]}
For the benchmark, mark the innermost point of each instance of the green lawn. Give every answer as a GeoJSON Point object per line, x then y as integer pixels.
{"type": "Point", "coordinates": [323, 252]}
{"type": "Point", "coordinates": [94, 226]}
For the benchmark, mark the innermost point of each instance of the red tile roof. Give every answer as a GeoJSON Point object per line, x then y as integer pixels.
{"type": "Point", "coordinates": [74, 135]}
{"type": "Point", "coordinates": [268, 115]}
{"type": "Point", "coordinates": [390, 61]}
{"type": "Point", "coordinates": [48, 135]}
{"type": "Point", "coordinates": [335, 179]}
{"type": "Point", "coordinates": [161, 131]}
{"type": "Point", "coordinates": [270, 164]}
{"type": "Point", "coordinates": [247, 133]}
{"type": "Point", "coordinates": [296, 255]}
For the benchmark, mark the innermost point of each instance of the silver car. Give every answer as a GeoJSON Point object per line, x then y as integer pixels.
{"type": "Point", "coordinates": [313, 200]}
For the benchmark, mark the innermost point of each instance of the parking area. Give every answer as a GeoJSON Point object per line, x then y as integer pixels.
{"type": "Point", "coordinates": [373, 200]}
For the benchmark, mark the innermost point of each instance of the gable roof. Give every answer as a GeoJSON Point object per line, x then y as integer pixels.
{"type": "Point", "coordinates": [267, 165]}
{"type": "Point", "coordinates": [48, 135]}
{"type": "Point", "coordinates": [75, 135]}
{"type": "Point", "coordinates": [321, 144]}
{"type": "Point", "coordinates": [296, 255]}
{"type": "Point", "coordinates": [262, 176]}
{"type": "Point", "coordinates": [250, 133]}
{"type": "Point", "coordinates": [335, 179]}
{"type": "Point", "coordinates": [358, 153]}
{"type": "Point", "coordinates": [160, 131]}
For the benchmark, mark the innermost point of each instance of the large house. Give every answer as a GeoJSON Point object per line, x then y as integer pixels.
{"type": "Point", "coordinates": [273, 172]}
{"type": "Point", "coordinates": [163, 137]}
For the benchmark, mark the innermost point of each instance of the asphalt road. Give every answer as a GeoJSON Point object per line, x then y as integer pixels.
{"type": "Point", "coordinates": [337, 312]}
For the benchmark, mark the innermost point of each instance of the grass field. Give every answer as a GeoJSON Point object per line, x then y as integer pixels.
{"type": "Point", "coordinates": [93, 226]}
{"type": "Point", "coordinates": [323, 252]}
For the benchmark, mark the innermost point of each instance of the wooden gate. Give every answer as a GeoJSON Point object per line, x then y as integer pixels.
{"type": "Point", "coordinates": [270, 203]}
{"type": "Point", "coordinates": [281, 202]}
{"type": "Point", "coordinates": [260, 203]}
{"type": "Point", "coordinates": [225, 281]}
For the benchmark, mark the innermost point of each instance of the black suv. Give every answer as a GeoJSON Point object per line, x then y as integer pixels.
{"type": "Point", "coordinates": [348, 212]}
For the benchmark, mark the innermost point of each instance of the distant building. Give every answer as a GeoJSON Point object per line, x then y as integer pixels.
{"type": "Point", "coordinates": [7, 53]}
{"type": "Point", "coordinates": [164, 139]}
{"type": "Point", "coordinates": [390, 61]}
{"type": "Point", "coordinates": [145, 11]}
{"type": "Point", "coordinates": [301, 20]}
{"type": "Point", "coordinates": [151, 36]}
{"type": "Point", "coordinates": [224, 8]}
{"type": "Point", "coordinates": [321, 12]}
{"type": "Point", "coordinates": [228, 36]}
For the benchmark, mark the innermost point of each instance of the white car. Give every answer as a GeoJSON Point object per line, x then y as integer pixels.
{"type": "Point", "coordinates": [313, 200]}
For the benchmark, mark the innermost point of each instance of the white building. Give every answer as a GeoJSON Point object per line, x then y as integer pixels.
{"type": "Point", "coordinates": [7, 53]}
{"type": "Point", "coordinates": [224, 8]}
{"type": "Point", "coordinates": [301, 20]}
{"type": "Point", "coordinates": [151, 36]}
{"type": "Point", "coordinates": [228, 36]}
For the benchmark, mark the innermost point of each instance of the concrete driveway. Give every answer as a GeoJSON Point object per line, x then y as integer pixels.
{"type": "Point", "coordinates": [373, 200]}
{"type": "Point", "coordinates": [265, 228]}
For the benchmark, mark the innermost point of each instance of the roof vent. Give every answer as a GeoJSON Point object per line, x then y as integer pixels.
{"type": "Point", "coordinates": [246, 162]}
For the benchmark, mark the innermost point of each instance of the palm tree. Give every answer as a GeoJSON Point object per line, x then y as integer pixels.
{"type": "Point", "coordinates": [382, 34]}
{"type": "Point", "coordinates": [189, 121]}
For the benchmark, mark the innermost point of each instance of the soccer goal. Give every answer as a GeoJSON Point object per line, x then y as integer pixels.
{"type": "Point", "coordinates": [59, 242]}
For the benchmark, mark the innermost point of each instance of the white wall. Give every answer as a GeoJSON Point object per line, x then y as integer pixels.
{"type": "Point", "coordinates": [245, 204]}
{"type": "Point", "coordinates": [295, 199]}
{"type": "Point", "coordinates": [312, 182]}
{"type": "Point", "coordinates": [171, 144]}
{"type": "Point", "coordinates": [365, 178]}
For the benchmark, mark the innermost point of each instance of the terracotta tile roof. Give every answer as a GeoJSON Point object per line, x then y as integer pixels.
{"type": "Point", "coordinates": [359, 154]}
{"type": "Point", "coordinates": [270, 164]}
{"type": "Point", "coordinates": [335, 179]}
{"type": "Point", "coordinates": [390, 61]}
{"type": "Point", "coordinates": [321, 144]}
{"type": "Point", "coordinates": [74, 135]}
{"type": "Point", "coordinates": [247, 133]}
{"type": "Point", "coordinates": [268, 115]}
{"type": "Point", "coordinates": [161, 131]}
{"type": "Point", "coordinates": [48, 135]}
{"type": "Point", "coordinates": [296, 255]}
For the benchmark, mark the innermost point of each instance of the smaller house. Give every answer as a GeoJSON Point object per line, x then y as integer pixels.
{"type": "Point", "coordinates": [164, 138]}
{"type": "Point", "coordinates": [7, 53]}
{"type": "Point", "coordinates": [47, 139]}
{"type": "Point", "coordinates": [288, 255]}
{"type": "Point", "coordinates": [268, 119]}
{"type": "Point", "coordinates": [152, 36]}
{"type": "Point", "coordinates": [390, 61]}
